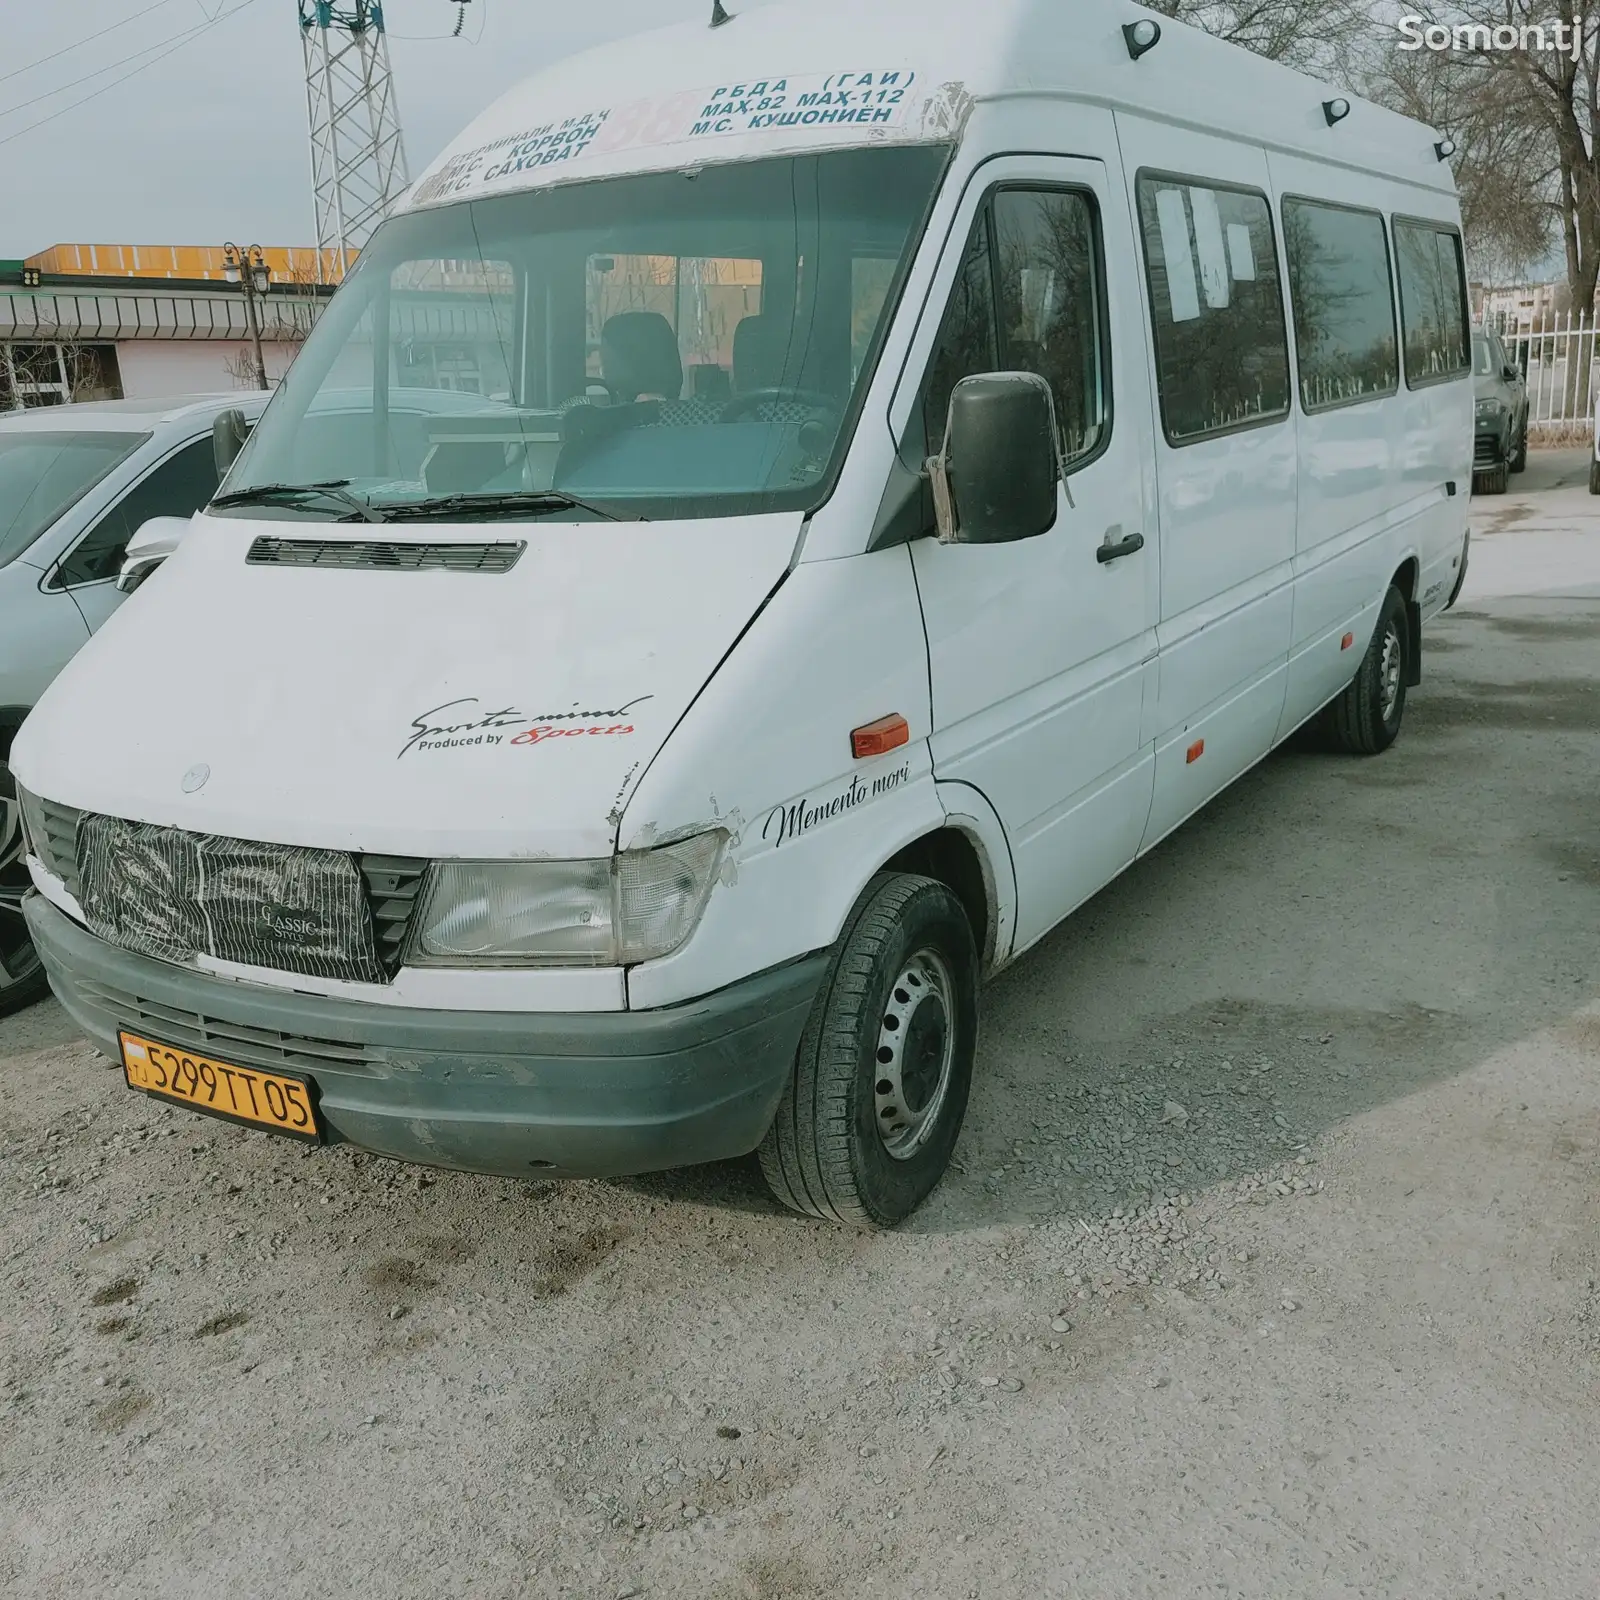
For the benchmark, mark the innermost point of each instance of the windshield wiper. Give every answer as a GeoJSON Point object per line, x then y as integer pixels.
{"type": "Point", "coordinates": [335, 489]}
{"type": "Point", "coordinates": [504, 504]}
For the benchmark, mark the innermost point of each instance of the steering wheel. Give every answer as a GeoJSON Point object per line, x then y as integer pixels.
{"type": "Point", "coordinates": [751, 399]}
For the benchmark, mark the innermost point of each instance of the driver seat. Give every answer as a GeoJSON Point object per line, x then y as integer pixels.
{"type": "Point", "coordinates": [764, 358]}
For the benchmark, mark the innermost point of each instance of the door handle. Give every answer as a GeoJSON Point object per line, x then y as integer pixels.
{"type": "Point", "coordinates": [1114, 549]}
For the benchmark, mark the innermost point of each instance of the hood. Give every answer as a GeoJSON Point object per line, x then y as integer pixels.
{"type": "Point", "coordinates": [1487, 386]}
{"type": "Point", "coordinates": [493, 714]}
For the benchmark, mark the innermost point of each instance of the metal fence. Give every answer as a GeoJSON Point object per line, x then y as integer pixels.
{"type": "Point", "coordinates": [1559, 360]}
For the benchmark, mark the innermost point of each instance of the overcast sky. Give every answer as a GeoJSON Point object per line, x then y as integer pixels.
{"type": "Point", "coordinates": [209, 142]}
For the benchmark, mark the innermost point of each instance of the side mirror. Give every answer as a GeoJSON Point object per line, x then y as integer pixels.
{"type": "Point", "coordinates": [148, 548]}
{"type": "Point", "coordinates": [228, 434]}
{"type": "Point", "coordinates": [996, 478]}
{"type": "Point", "coordinates": [1511, 374]}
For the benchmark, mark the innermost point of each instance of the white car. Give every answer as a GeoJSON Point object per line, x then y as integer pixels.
{"type": "Point", "coordinates": [76, 484]}
{"type": "Point", "coordinates": [1594, 453]}
{"type": "Point", "coordinates": [927, 451]}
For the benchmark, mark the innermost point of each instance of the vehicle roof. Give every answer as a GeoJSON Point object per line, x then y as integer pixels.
{"type": "Point", "coordinates": [672, 97]}
{"type": "Point", "coordinates": [111, 416]}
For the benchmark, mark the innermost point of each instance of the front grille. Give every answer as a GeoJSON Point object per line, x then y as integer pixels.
{"type": "Point", "coordinates": [53, 837]}
{"type": "Point", "coordinates": [370, 554]}
{"type": "Point", "coordinates": [174, 895]}
{"type": "Point", "coordinates": [393, 884]}
{"type": "Point", "coordinates": [235, 1042]}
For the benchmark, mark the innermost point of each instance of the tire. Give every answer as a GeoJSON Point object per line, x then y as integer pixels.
{"type": "Point", "coordinates": [1365, 719]}
{"type": "Point", "coordinates": [1461, 573]}
{"type": "Point", "coordinates": [22, 975]}
{"type": "Point", "coordinates": [1492, 480]}
{"type": "Point", "coordinates": [1594, 477]}
{"type": "Point", "coordinates": [842, 1146]}
{"type": "Point", "coordinates": [1518, 461]}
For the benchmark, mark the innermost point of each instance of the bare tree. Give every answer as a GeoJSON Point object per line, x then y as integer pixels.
{"type": "Point", "coordinates": [59, 370]}
{"type": "Point", "coordinates": [1310, 34]}
{"type": "Point", "coordinates": [1505, 162]}
{"type": "Point", "coordinates": [1518, 88]}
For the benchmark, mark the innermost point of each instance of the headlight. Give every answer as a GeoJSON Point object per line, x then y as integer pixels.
{"type": "Point", "coordinates": [629, 908]}
{"type": "Point", "coordinates": [1490, 406]}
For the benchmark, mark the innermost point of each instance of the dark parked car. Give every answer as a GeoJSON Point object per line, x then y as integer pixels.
{"type": "Point", "coordinates": [1500, 433]}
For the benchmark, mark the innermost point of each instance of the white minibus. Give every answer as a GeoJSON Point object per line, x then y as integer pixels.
{"type": "Point", "coordinates": [916, 454]}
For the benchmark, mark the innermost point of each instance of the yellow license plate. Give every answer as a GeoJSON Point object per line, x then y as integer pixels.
{"type": "Point", "coordinates": [241, 1094]}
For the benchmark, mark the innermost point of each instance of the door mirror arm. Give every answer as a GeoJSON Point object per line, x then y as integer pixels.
{"type": "Point", "coordinates": [905, 513]}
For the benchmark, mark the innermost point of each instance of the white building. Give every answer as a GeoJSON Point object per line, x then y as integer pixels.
{"type": "Point", "coordinates": [78, 336]}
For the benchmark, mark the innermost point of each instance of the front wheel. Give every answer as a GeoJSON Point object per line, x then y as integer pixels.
{"type": "Point", "coordinates": [879, 1089]}
{"type": "Point", "coordinates": [1519, 456]}
{"type": "Point", "coordinates": [1594, 477]}
{"type": "Point", "coordinates": [1365, 719]}
{"type": "Point", "coordinates": [22, 976]}
{"type": "Point", "coordinates": [1492, 480]}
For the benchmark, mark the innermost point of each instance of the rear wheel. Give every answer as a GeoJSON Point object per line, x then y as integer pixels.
{"type": "Point", "coordinates": [1365, 719]}
{"type": "Point", "coordinates": [22, 976]}
{"type": "Point", "coordinates": [880, 1080]}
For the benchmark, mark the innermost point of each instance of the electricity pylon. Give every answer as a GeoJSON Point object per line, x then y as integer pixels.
{"type": "Point", "coordinates": [358, 157]}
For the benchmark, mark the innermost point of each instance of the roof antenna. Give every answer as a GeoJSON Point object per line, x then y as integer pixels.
{"type": "Point", "coordinates": [719, 14]}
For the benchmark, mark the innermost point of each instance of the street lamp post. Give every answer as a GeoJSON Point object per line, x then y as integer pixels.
{"type": "Point", "coordinates": [249, 269]}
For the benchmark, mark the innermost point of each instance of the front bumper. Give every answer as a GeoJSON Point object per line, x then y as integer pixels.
{"type": "Point", "coordinates": [581, 1095]}
{"type": "Point", "coordinates": [1489, 447]}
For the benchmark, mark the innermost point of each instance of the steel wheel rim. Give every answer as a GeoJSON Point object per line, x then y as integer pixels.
{"type": "Point", "coordinates": [1389, 673]}
{"type": "Point", "coordinates": [19, 961]}
{"type": "Point", "coordinates": [915, 1055]}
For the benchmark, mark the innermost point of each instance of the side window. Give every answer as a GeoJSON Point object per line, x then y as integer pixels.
{"type": "Point", "coordinates": [177, 488]}
{"type": "Point", "coordinates": [967, 335]}
{"type": "Point", "coordinates": [1344, 332]}
{"type": "Point", "coordinates": [1222, 354]}
{"type": "Point", "coordinates": [1433, 301]}
{"type": "Point", "coordinates": [1028, 299]}
{"type": "Point", "coordinates": [1047, 268]}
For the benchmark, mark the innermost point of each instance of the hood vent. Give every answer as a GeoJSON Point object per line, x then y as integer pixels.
{"type": "Point", "coordinates": [382, 556]}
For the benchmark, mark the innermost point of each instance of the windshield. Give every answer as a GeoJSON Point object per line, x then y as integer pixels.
{"type": "Point", "coordinates": [673, 344]}
{"type": "Point", "coordinates": [1482, 359]}
{"type": "Point", "coordinates": [42, 474]}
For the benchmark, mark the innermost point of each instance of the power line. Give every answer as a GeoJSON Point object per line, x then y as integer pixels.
{"type": "Point", "coordinates": [67, 49]}
{"type": "Point", "coordinates": [455, 33]}
{"type": "Point", "coordinates": [177, 44]}
{"type": "Point", "coordinates": [175, 40]}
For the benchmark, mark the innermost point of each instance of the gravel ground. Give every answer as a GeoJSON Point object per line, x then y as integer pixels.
{"type": "Point", "coordinates": [1269, 1266]}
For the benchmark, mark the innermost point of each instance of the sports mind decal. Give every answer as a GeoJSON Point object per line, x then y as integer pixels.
{"type": "Point", "coordinates": [464, 724]}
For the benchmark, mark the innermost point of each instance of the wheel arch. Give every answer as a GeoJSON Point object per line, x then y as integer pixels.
{"type": "Point", "coordinates": [970, 855]}
{"type": "Point", "coordinates": [1406, 578]}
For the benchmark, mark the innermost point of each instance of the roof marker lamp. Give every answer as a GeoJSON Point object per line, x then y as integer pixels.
{"type": "Point", "coordinates": [1444, 149]}
{"type": "Point", "coordinates": [1141, 36]}
{"type": "Point", "coordinates": [1336, 110]}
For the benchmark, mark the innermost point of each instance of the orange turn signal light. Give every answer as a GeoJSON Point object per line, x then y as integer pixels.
{"type": "Point", "coordinates": [1196, 750]}
{"type": "Point", "coordinates": [875, 738]}
{"type": "Point", "coordinates": [1348, 640]}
